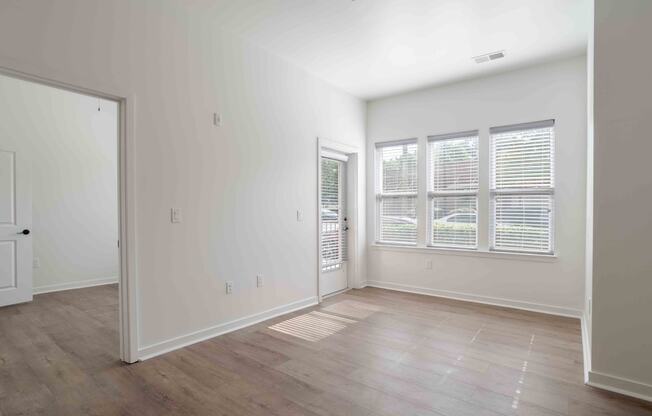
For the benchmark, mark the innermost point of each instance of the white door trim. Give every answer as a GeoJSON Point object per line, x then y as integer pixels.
{"type": "Point", "coordinates": [128, 306]}
{"type": "Point", "coordinates": [353, 193]}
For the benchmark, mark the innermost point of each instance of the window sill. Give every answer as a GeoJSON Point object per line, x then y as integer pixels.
{"type": "Point", "coordinates": [498, 255]}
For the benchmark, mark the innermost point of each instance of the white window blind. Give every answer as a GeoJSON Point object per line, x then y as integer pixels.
{"type": "Point", "coordinates": [333, 231]}
{"type": "Point", "coordinates": [453, 190]}
{"type": "Point", "coordinates": [522, 187]}
{"type": "Point", "coordinates": [397, 192]}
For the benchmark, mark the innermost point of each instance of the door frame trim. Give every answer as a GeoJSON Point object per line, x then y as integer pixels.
{"type": "Point", "coordinates": [128, 305]}
{"type": "Point", "coordinates": [353, 174]}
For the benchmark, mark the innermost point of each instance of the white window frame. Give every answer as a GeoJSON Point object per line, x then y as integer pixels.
{"type": "Point", "coordinates": [379, 195]}
{"type": "Point", "coordinates": [432, 194]}
{"type": "Point", "coordinates": [547, 191]}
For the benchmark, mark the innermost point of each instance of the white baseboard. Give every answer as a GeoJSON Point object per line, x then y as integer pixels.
{"type": "Point", "coordinates": [162, 347]}
{"type": "Point", "coordinates": [75, 285]}
{"type": "Point", "coordinates": [487, 300]}
{"type": "Point", "coordinates": [620, 385]}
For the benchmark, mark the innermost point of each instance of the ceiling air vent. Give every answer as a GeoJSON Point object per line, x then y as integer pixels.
{"type": "Point", "coordinates": [489, 57]}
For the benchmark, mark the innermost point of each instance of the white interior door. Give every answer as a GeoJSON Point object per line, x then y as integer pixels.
{"type": "Point", "coordinates": [333, 239]}
{"type": "Point", "coordinates": [15, 223]}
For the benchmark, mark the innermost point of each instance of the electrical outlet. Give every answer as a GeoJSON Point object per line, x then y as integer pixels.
{"type": "Point", "coordinates": [229, 287]}
{"type": "Point", "coordinates": [175, 215]}
{"type": "Point", "coordinates": [429, 264]}
{"type": "Point", "coordinates": [299, 215]}
{"type": "Point", "coordinates": [259, 281]}
{"type": "Point", "coordinates": [36, 262]}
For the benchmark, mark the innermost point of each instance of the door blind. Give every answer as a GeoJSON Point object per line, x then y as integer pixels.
{"type": "Point", "coordinates": [397, 192]}
{"type": "Point", "coordinates": [453, 185]}
{"type": "Point", "coordinates": [522, 187]}
{"type": "Point", "coordinates": [332, 236]}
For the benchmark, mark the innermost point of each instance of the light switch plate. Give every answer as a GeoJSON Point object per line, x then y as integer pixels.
{"type": "Point", "coordinates": [260, 281]}
{"type": "Point", "coordinates": [299, 215]}
{"type": "Point", "coordinates": [229, 287]}
{"type": "Point", "coordinates": [36, 262]}
{"type": "Point", "coordinates": [175, 215]}
{"type": "Point", "coordinates": [429, 264]}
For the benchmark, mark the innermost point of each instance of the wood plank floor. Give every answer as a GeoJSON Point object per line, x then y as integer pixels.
{"type": "Point", "coordinates": [366, 352]}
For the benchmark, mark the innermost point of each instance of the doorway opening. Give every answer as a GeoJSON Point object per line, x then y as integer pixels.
{"type": "Point", "coordinates": [60, 209]}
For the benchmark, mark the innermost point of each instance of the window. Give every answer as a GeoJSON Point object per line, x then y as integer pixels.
{"type": "Point", "coordinates": [396, 193]}
{"type": "Point", "coordinates": [522, 187]}
{"type": "Point", "coordinates": [519, 191]}
{"type": "Point", "coordinates": [453, 190]}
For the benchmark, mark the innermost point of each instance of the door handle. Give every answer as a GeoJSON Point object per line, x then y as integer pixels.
{"type": "Point", "coordinates": [24, 232]}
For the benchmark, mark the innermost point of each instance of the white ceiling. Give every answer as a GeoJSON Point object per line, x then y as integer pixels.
{"type": "Point", "coordinates": [374, 48]}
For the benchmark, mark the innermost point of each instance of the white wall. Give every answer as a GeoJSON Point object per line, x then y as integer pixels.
{"type": "Point", "coordinates": [72, 149]}
{"type": "Point", "coordinates": [239, 186]}
{"type": "Point", "coordinates": [556, 90]}
{"type": "Point", "coordinates": [622, 264]}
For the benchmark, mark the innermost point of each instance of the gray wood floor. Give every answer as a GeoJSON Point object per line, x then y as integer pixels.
{"type": "Point", "coordinates": [366, 352]}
